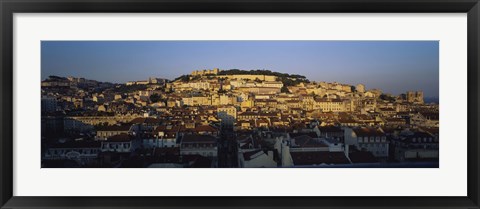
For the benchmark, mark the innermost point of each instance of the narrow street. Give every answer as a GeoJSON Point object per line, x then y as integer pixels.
{"type": "Point", "coordinates": [227, 150]}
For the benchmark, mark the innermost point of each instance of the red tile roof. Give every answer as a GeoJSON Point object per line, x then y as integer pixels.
{"type": "Point", "coordinates": [146, 121]}
{"type": "Point", "coordinates": [120, 138]}
{"type": "Point", "coordinates": [367, 131]}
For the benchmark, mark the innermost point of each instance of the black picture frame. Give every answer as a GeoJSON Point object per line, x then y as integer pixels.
{"type": "Point", "coordinates": [9, 7]}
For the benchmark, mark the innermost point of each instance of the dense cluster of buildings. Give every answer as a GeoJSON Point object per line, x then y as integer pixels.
{"type": "Point", "coordinates": [208, 119]}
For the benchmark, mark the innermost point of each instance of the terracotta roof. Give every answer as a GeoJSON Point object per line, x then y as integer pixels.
{"type": "Point", "coordinates": [307, 141]}
{"type": "Point", "coordinates": [193, 138]}
{"type": "Point", "coordinates": [310, 134]}
{"type": "Point", "coordinates": [346, 120]}
{"type": "Point", "coordinates": [364, 131]}
{"type": "Point", "coordinates": [248, 113]}
{"type": "Point", "coordinates": [364, 117]}
{"type": "Point", "coordinates": [386, 109]}
{"type": "Point", "coordinates": [125, 127]}
{"type": "Point", "coordinates": [206, 128]}
{"type": "Point", "coordinates": [330, 129]}
{"type": "Point", "coordinates": [167, 128]}
{"type": "Point", "coordinates": [261, 120]}
{"type": "Point", "coordinates": [120, 138]}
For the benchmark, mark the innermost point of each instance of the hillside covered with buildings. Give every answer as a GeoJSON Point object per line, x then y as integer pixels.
{"type": "Point", "coordinates": [234, 118]}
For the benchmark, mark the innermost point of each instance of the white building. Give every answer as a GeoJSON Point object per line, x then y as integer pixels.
{"type": "Point", "coordinates": [119, 143]}
{"type": "Point", "coordinates": [368, 139]}
{"type": "Point", "coordinates": [203, 145]}
{"type": "Point", "coordinates": [80, 151]}
{"type": "Point", "coordinates": [415, 146]}
{"type": "Point", "coordinates": [165, 136]}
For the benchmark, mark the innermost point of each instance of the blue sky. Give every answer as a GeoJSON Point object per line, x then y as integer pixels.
{"type": "Point", "coordinates": [393, 66]}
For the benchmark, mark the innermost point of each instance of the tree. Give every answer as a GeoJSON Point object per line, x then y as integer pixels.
{"type": "Point", "coordinates": [387, 97]}
{"type": "Point", "coordinates": [132, 88]}
{"type": "Point", "coordinates": [285, 89]}
{"type": "Point", "coordinates": [183, 78]}
{"type": "Point", "coordinates": [155, 98]}
{"type": "Point", "coordinates": [353, 88]}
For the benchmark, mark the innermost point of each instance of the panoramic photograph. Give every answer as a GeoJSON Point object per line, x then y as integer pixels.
{"type": "Point", "coordinates": [240, 104]}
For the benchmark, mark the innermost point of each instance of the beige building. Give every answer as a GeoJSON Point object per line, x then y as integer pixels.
{"type": "Point", "coordinates": [104, 132]}
{"type": "Point", "coordinates": [98, 120]}
{"type": "Point", "coordinates": [272, 84]}
{"type": "Point", "coordinates": [213, 71]}
{"type": "Point", "coordinates": [260, 90]}
{"type": "Point", "coordinates": [329, 105]}
{"type": "Point", "coordinates": [360, 88]}
{"type": "Point", "coordinates": [415, 97]}
{"type": "Point", "coordinates": [197, 101]}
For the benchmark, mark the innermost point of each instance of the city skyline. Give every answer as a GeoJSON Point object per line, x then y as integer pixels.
{"type": "Point", "coordinates": [374, 109]}
{"type": "Point", "coordinates": [393, 66]}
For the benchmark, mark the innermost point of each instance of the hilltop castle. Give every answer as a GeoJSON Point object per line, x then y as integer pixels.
{"type": "Point", "coordinates": [214, 71]}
